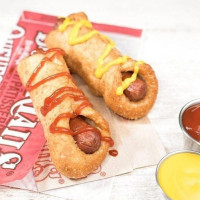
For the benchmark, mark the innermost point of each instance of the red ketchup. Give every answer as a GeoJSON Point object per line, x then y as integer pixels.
{"type": "Point", "coordinates": [113, 152]}
{"type": "Point", "coordinates": [191, 121]}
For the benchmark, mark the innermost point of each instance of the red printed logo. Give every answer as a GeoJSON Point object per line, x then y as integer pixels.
{"type": "Point", "coordinates": [21, 134]}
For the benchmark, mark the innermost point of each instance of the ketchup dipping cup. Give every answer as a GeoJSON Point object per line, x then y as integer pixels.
{"type": "Point", "coordinates": [178, 175]}
{"type": "Point", "coordinates": [189, 120]}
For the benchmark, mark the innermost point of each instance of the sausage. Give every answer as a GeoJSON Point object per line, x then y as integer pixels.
{"type": "Point", "coordinates": [137, 89]}
{"type": "Point", "coordinates": [88, 141]}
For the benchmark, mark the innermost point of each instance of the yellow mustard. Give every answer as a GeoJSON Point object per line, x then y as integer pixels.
{"type": "Point", "coordinates": [101, 68]}
{"type": "Point", "coordinates": [128, 81]}
{"type": "Point", "coordinates": [67, 22]}
{"type": "Point", "coordinates": [179, 176]}
{"type": "Point", "coordinates": [73, 36]}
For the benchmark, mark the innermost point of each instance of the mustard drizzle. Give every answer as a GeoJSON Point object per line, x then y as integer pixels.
{"type": "Point", "coordinates": [101, 67]}
{"type": "Point", "coordinates": [128, 81]}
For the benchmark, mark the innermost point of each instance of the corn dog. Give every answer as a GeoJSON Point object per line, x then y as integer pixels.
{"type": "Point", "coordinates": [128, 87]}
{"type": "Point", "coordinates": [77, 146]}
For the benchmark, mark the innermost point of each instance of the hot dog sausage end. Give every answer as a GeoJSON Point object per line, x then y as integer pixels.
{"type": "Point", "coordinates": [88, 141]}
{"type": "Point", "coordinates": [137, 89]}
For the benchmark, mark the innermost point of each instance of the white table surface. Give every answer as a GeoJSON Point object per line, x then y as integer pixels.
{"type": "Point", "coordinates": [172, 47]}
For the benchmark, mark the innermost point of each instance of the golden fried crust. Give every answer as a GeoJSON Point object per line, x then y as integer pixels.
{"type": "Point", "coordinates": [65, 154]}
{"type": "Point", "coordinates": [82, 59]}
{"type": "Point", "coordinates": [131, 110]}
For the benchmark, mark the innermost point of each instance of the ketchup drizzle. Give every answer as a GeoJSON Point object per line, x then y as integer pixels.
{"type": "Point", "coordinates": [84, 129]}
{"type": "Point", "coordinates": [113, 152]}
{"type": "Point", "coordinates": [82, 106]}
{"type": "Point", "coordinates": [57, 51]}
{"type": "Point", "coordinates": [109, 140]}
{"type": "Point", "coordinates": [55, 129]}
{"type": "Point", "coordinates": [54, 76]}
{"type": "Point", "coordinates": [59, 95]}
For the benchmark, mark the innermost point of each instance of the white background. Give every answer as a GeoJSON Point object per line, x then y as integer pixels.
{"type": "Point", "coordinates": [172, 47]}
